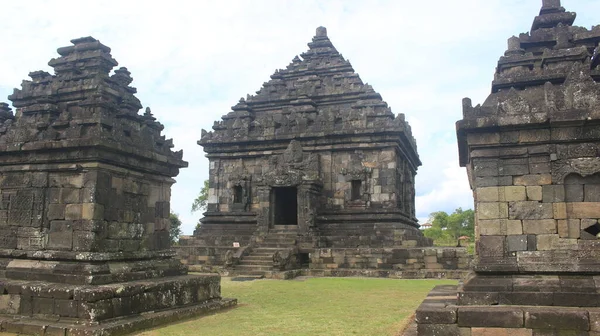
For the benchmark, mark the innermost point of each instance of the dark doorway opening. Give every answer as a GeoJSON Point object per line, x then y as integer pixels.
{"type": "Point", "coordinates": [356, 192]}
{"type": "Point", "coordinates": [304, 259]}
{"type": "Point", "coordinates": [285, 206]}
{"type": "Point", "coordinates": [238, 193]}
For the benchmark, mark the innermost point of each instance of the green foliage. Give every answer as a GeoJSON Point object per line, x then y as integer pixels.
{"type": "Point", "coordinates": [446, 229]}
{"type": "Point", "coordinates": [202, 198]}
{"type": "Point", "coordinates": [174, 228]}
{"type": "Point", "coordinates": [201, 201]}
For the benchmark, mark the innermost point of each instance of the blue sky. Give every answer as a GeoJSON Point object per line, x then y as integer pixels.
{"type": "Point", "coordinates": [192, 61]}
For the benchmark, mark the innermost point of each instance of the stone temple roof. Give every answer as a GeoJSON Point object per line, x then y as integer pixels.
{"type": "Point", "coordinates": [83, 105]}
{"type": "Point", "coordinates": [550, 74]}
{"type": "Point", "coordinates": [317, 95]}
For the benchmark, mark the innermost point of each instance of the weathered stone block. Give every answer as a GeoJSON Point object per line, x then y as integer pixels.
{"type": "Point", "coordinates": [515, 193]}
{"type": "Point", "coordinates": [534, 193]}
{"type": "Point", "coordinates": [533, 180]}
{"type": "Point", "coordinates": [487, 194]}
{"type": "Point", "coordinates": [56, 211]}
{"type": "Point", "coordinates": [553, 193]}
{"type": "Point", "coordinates": [514, 227]}
{"type": "Point", "coordinates": [485, 168]}
{"type": "Point", "coordinates": [560, 210]}
{"type": "Point", "coordinates": [91, 211]}
{"type": "Point", "coordinates": [492, 210]}
{"type": "Point", "coordinates": [438, 329]}
{"type": "Point", "coordinates": [10, 303]}
{"type": "Point", "coordinates": [516, 243]}
{"type": "Point", "coordinates": [73, 211]}
{"type": "Point", "coordinates": [436, 315]}
{"type": "Point", "coordinates": [490, 317]}
{"type": "Point", "coordinates": [491, 246]}
{"type": "Point", "coordinates": [543, 226]}
{"type": "Point", "coordinates": [547, 242]}
{"type": "Point", "coordinates": [584, 210]}
{"type": "Point", "coordinates": [534, 135]}
{"type": "Point", "coordinates": [500, 332]}
{"type": "Point", "coordinates": [553, 319]}
{"type": "Point", "coordinates": [592, 193]}
{"type": "Point", "coordinates": [483, 138]}
{"type": "Point", "coordinates": [530, 210]}
{"type": "Point", "coordinates": [573, 192]}
{"type": "Point", "coordinates": [492, 227]}
{"type": "Point", "coordinates": [568, 228]}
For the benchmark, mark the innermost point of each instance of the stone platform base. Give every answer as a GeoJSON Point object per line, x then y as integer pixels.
{"type": "Point", "coordinates": [343, 272]}
{"type": "Point", "coordinates": [45, 308]}
{"type": "Point", "coordinates": [392, 274]}
{"type": "Point", "coordinates": [40, 327]}
{"type": "Point", "coordinates": [439, 315]}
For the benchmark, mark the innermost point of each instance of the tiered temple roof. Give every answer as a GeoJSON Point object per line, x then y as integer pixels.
{"type": "Point", "coordinates": [83, 105]}
{"type": "Point", "coordinates": [317, 95]}
{"type": "Point", "coordinates": [545, 75]}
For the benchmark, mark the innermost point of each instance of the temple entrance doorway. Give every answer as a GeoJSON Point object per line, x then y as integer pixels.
{"type": "Point", "coordinates": [285, 206]}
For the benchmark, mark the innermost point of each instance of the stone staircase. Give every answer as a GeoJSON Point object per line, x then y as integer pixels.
{"type": "Point", "coordinates": [260, 260]}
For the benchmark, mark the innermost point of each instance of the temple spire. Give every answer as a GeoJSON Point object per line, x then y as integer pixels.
{"type": "Point", "coordinates": [551, 15]}
{"type": "Point", "coordinates": [321, 43]}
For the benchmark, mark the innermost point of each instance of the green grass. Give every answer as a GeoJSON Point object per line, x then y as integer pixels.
{"type": "Point", "coordinates": [315, 306]}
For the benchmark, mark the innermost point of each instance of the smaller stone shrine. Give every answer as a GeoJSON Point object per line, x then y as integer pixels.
{"type": "Point", "coordinates": [532, 152]}
{"type": "Point", "coordinates": [314, 172]}
{"type": "Point", "coordinates": [85, 185]}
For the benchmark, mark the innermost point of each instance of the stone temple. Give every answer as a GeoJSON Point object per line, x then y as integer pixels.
{"type": "Point", "coordinates": [85, 184]}
{"type": "Point", "coordinates": [532, 152]}
{"type": "Point", "coordinates": [314, 171]}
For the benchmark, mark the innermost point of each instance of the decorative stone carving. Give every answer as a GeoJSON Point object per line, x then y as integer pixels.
{"type": "Point", "coordinates": [582, 166]}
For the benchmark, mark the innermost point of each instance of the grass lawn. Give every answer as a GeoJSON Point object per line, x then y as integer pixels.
{"type": "Point", "coordinates": [314, 306]}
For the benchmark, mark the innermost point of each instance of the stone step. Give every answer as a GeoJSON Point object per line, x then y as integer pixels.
{"type": "Point", "coordinates": [276, 246]}
{"type": "Point", "coordinates": [256, 262]}
{"type": "Point", "coordinates": [248, 277]}
{"type": "Point", "coordinates": [246, 273]}
{"type": "Point", "coordinates": [280, 240]}
{"type": "Point", "coordinates": [264, 250]}
{"type": "Point", "coordinates": [261, 255]}
{"type": "Point", "coordinates": [257, 258]}
{"type": "Point", "coordinates": [253, 267]}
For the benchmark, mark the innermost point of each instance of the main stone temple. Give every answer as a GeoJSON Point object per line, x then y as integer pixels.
{"type": "Point", "coordinates": [313, 170]}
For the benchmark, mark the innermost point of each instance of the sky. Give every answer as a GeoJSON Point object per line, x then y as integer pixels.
{"type": "Point", "coordinates": [192, 60]}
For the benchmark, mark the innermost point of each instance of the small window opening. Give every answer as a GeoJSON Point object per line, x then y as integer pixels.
{"type": "Point", "coordinates": [237, 194]}
{"type": "Point", "coordinates": [356, 186]}
{"type": "Point", "coordinates": [304, 259]}
{"type": "Point", "coordinates": [593, 229]}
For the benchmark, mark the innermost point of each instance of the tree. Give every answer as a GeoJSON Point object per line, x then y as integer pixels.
{"type": "Point", "coordinates": [201, 200]}
{"type": "Point", "coordinates": [446, 229]}
{"type": "Point", "coordinates": [174, 228]}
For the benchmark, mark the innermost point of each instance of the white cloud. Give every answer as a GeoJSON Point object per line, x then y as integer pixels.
{"type": "Point", "coordinates": [192, 60]}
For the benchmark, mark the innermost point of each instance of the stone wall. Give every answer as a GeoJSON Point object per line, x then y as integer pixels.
{"type": "Point", "coordinates": [387, 180]}
{"type": "Point", "coordinates": [84, 209]}
{"type": "Point", "coordinates": [391, 259]}
{"type": "Point", "coordinates": [533, 202]}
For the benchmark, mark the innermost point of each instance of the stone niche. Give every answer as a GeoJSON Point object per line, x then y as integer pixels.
{"type": "Point", "coordinates": [85, 189]}
{"type": "Point", "coordinates": [315, 161]}
{"type": "Point", "coordinates": [532, 155]}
